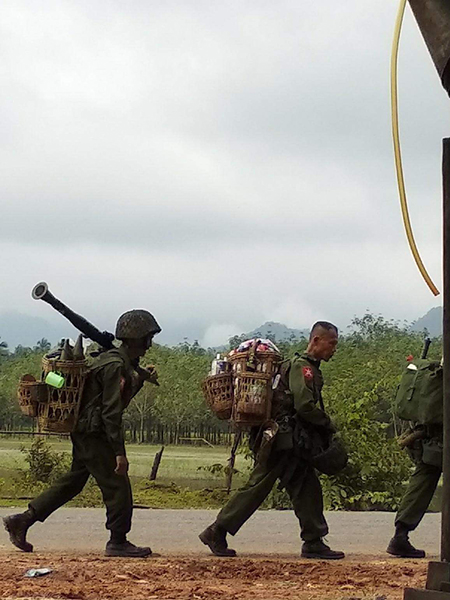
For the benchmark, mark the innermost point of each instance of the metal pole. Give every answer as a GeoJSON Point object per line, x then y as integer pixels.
{"type": "Point", "coordinates": [232, 460]}
{"type": "Point", "coordinates": [445, 531]}
{"type": "Point", "coordinates": [433, 18]}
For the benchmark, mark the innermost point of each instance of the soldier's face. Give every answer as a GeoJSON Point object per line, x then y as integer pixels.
{"type": "Point", "coordinates": [138, 347]}
{"type": "Point", "coordinates": [326, 345]}
{"type": "Point", "coordinates": [144, 344]}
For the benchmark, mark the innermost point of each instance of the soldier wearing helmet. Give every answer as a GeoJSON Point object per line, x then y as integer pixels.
{"type": "Point", "coordinates": [113, 380]}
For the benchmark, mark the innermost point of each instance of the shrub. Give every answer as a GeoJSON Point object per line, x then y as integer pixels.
{"type": "Point", "coordinates": [44, 464]}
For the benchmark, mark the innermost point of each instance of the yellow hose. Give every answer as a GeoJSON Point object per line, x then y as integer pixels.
{"type": "Point", "coordinates": [398, 154]}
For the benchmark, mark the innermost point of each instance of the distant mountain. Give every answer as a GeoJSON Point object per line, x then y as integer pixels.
{"type": "Point", "coordinates": [18, 328]}
{"type": "Point", "coordinates": [277, 331]}
{"type": "Point", "coordinates": [432, 322]}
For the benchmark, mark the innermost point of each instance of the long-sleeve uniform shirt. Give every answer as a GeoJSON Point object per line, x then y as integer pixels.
{"type": "Point", "coordinates": [299, 392]}
{"type": "Point", "coordinates": [298, 400]}
{"type": "Point", "coordinates": [305, 385]}
{"type": "Point", "coordinates": [110, 385]}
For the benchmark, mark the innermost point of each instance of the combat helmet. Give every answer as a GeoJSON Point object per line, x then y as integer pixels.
{"type": "Point", "coordinates": [136, 324]}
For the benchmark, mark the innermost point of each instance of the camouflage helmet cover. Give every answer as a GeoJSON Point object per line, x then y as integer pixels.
{"type": "Point", "coordinates": [136, 324]}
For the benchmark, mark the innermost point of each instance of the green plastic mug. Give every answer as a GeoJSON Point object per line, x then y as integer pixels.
{"type": "Point", "coordinates": [55, 380]}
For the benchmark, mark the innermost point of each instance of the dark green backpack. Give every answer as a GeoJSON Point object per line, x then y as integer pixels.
{"type": "Point", "coordinates": [420, 393]}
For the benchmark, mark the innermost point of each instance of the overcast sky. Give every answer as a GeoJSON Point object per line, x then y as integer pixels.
{"type": "Point", "coordinates": [218, 163]}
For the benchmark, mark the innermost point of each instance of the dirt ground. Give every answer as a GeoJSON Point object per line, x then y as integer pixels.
{"type": "Point", "coordinates": [93, 577]}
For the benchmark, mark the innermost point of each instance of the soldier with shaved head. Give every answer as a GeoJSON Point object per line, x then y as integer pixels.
{"type": "Point", "coordinates": [300, 422]}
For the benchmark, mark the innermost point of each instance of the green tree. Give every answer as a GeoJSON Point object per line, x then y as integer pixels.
{"type": "Point", "coordinates": [3, 348]}
{"type": "Point", "coordinates": [140, 410]}
{"type": "Point", "coordinates": [20, 351]}
{"type": "Point", "coordinates": [179, 400]}
{"type": "Point", "coordinates": [43, 345]}
{"type": "Point", "coordinates": [361, 383]}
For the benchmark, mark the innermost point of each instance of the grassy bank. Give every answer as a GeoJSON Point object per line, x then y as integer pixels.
{"type": "Point", "coordinates": [182, 479]}
{"type": "Point", "coordinates": [180, 464]}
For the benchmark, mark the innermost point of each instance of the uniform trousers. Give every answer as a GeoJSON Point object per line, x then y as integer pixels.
{"type": "Point", "coordinates": [91, 455]}
{"type": "Point", "coordinates": [301, 483]}
{"type": "Point", "coordinates": [418, 496]}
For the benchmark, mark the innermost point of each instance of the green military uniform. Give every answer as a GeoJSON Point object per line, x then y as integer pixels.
{"type": "Point", "coordinates": [422, 484]}
{"type": "Point", "coordinates": [97, 440]}
{"type": "Point", "coordinates": [297, 405]}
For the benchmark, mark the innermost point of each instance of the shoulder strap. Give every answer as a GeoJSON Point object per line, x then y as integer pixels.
{"type": "Point", "coordinates": [319, 397]}
{"type": "Point", "coordinates": [103, 360]}
{"type": "Point", "coordinates": [284, 367]}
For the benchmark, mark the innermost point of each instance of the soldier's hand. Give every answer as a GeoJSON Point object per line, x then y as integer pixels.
{"type": "Point", "coordinates": [149, 374]}
{"type": "Point", "coordinates": [121, 465]}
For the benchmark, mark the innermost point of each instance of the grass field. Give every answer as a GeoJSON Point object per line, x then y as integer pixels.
{"type": "Point", "coordinates": [194, 487]}
{"type": "Point", "coordinates": [179, 464]}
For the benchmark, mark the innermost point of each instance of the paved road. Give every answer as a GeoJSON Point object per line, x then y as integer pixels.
{"type": "Point", "coordinates": [267, 532]}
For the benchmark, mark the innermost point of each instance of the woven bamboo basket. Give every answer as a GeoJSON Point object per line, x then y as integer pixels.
{"type": "Point", "coordinates": [253, 398]}
{"type": "Point", "coordinates": [29, 393]}
{"type": "Point", "coordinates": [218, 392]}
{"type": "Point", "coordinates": [60, 413]}
{"type": "Point", "coordinates": [259, 362]}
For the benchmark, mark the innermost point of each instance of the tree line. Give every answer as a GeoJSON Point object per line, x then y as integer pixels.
{"type": "Point", "coordinates": [163, 414]}
{"type": "Point", "coordinates": [360, 385]}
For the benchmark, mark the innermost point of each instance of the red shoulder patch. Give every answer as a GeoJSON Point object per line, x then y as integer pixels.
{"type": "Point", "coordinates": [308, 373]}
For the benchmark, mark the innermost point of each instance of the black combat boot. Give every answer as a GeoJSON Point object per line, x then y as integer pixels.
{"type": "Point", "coordinates": [17, 527]}
{"type": "Point", "coordinates": [118, 545]}
{"type": "Point", "coordinates": [215, 537]}
{"type": "Point", "coordinates": [401, 546]}
{"type": "Point", "coordinates": [318, 549]}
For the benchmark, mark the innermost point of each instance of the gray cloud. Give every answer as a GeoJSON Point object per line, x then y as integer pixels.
{"type": "Point", "coordinates": [177, 155]}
